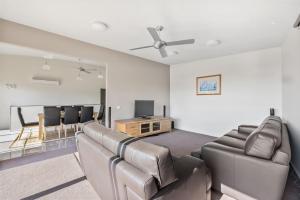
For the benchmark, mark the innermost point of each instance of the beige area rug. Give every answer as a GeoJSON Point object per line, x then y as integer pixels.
{"type": "Point", "coordinates": [47, 179]}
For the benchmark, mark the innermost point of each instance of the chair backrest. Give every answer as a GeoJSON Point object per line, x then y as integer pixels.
{"type": "Point", "coordinates": [78, 107]}
{"type": "Point", "coordinates": [21, 116]}
{"type": "Point", "coordinates": [51, 116]}
{"type": "Point", "coordinates": [101, 112]}
{"type": "Point", "coordinates": [86, 114]}
{"type": "Point", "coordinates": [71, 115]}
{"type": "Point", "coordinates": [62, 108]}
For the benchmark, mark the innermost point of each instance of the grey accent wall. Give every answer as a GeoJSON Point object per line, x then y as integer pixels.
{"type": "Point", "coordinates": [128, 77]}
{"type": "Point", "coordinates": [291, 94]}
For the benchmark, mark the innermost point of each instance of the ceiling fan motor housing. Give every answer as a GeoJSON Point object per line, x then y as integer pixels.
{"type": "Point", "coordinates": [159, 44]}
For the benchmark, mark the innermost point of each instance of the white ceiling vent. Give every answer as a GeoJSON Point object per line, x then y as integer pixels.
{"type": "Point", "coordinates": [297, 23]}
{"type": "Point", "coordinates": [45, 81]}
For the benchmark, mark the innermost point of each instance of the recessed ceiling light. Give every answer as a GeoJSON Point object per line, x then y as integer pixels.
{"type": "Point", "coordinates": [212, 43]}
{"type": "Point", "coordinates": [99, 26]}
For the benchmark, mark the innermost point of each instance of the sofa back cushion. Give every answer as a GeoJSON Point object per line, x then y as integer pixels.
{"type": "Point", "coordinates": [151, 159]}
{"type": "Point", "coordinates": [265, 139]}
{"type": "Point", "coordinates": [104, 136]}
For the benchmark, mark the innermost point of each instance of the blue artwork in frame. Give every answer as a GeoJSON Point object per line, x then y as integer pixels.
{"type": "Point", "coordinates": [208, 85]}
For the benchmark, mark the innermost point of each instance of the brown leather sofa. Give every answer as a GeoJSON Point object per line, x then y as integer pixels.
{"type": "Point", "coordinates": [120, 167]}
{"type": "Point", "coordinates": [251, 162]}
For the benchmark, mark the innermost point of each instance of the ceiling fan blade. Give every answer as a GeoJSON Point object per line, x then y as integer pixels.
{"type": "Point", "coordinates": [180, 42]}
{"type": "Point", "coordinates": [163, 52]}
{"type": "Point", "coordinates": [154, 34]}
{"type": "Point", "coordinates": [87, 72]}
{"type": "Point", "coordinates": [144, 47]}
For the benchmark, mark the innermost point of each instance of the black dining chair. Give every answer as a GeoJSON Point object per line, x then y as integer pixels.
{"type": "Point", "coordinates": [101, 114]}
{"type": "Point", "coordinates": [78, 107]}
{"type": "Point", "coordinates": [71, 117]}
{"type": "Point", "coordinates": [24, 125]}
{"type": "Point", "coordinates": [87, 114]}
{"type": "Point", "coordinates": [52, 118]}
{"type": "Point", "coordinates": [62, 108]}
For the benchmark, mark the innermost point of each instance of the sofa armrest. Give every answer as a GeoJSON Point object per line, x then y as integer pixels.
{"type": "Point", "coordinates": [194, 181]}
{"type": "Point", "coordinates": [244, 177]}
{"type": "Point", "coordinates": [133, 183]}
{"type": "Point", "coordinates": [246, 129]}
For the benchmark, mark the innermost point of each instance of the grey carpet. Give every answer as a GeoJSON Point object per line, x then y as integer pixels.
{"type": "Point", "coordinates": [180, 142]}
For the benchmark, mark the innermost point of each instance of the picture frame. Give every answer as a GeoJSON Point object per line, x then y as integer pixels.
{"type": "Point", "coordinates": [209, 85]}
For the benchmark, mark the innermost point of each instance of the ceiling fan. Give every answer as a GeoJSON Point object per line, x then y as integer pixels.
{"type": "Point", "coordinates": [160, 44]}
{"type": "Point", "coordinates": [85, 70]}
{"type": "Point", "coordinates": [82, 69]}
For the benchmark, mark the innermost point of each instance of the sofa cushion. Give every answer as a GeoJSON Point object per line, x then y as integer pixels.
{"type": "Point", "coordinates": [246, 129]}
{"type": "Point", "coordinates": [231, 141]}
{"type": "Point", "coordinates": [237, 134]}
{"type": "Point", "coordinates": [260, 145]}
{"type": "Point", "coordinates": [265, 139]}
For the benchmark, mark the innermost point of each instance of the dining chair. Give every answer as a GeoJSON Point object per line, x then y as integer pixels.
{"type": "Point", "coordinates": [101, 114]}
{"type": "Point", "coordinates": [86, 114]}
{"type": "Point", "coordinates": [24, 125]}
{"type": "Point", "coordinates": [71, 117]}
{"type": "Point", "coordinates": [62, 108]}
{"type": "Point", "coordinates": [78, 107]}
{"type": "Point", "coordinates": [52, 118]}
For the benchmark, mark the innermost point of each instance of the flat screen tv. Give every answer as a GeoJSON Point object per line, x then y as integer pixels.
{"type": "Point", "coordinates": [144, 108]}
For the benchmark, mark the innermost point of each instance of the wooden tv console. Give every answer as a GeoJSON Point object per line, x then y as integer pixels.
{"type": "Point", "coordinates": [139, 127]}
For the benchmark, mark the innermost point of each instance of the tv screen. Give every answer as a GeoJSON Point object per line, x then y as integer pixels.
{"type": "Point", "coordinates": [144, 108]}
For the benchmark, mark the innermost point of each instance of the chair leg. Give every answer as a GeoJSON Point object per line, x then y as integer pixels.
{"type": "Point", "coordinates": [65, 132]}
{"type": "Point", "coordinates": [45, 134]}
{"type": "Point", "coordinates": [21, 133]}
{"type": "Point", "coordinates": [17, 138]}
{"type": "Point", "coordinates": [58, 133]}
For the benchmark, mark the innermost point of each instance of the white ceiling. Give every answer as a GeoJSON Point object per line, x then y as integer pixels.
{"type": "Point", "coordinates": [10, 49]}
{"type": "Point", "coordinates": [241, 25]}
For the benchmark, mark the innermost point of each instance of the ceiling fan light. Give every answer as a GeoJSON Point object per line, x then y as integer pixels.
{"type": "Point", "coordinates": [212, 43]}
{"type": "Point", "coordinates": [173, 53]}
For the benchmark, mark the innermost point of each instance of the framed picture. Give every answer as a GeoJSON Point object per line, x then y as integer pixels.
{"type": "Point", "coordinates": [208, 85]}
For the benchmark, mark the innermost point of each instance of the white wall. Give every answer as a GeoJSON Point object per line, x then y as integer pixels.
{"type": "Point", "coordinates": [290, 94]}
{"type": "Point", "coordinates": [251, 84]}
{"type": "Point", "coordinates": [20, 69]}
